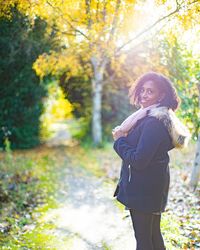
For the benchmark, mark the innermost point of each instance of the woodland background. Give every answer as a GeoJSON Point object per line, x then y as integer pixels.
{"type": "Point", "coordinates": [66, 68]}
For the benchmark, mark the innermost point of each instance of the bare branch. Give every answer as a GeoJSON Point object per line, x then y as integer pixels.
{"type": "Point", "coordinates": [178, 7]}
{"type": "Point", "coordinates": [114, 25]}
{"type": "Point", "coordinates": [177, 4]}
{"type": "Point", "coordinates": [115, 18]}
{"type": "Point", "coordinates": [147, 29]}
{"type": "Point", "coordinates": [88, 14]}
{"type": "Point", "coordinates": [63, 32]}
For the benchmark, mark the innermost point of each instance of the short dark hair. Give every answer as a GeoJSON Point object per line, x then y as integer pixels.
{"type": "Point", "coordinates": [171, 99]}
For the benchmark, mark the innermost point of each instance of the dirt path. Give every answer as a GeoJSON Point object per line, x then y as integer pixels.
{"type": "Point", "coordinates": [88, 216]}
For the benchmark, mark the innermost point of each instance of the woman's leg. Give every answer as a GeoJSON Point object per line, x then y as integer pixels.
{"type": "Point", "coordinates": [158, 243]}
{"type": "Point", "coordinates": [142, 225]}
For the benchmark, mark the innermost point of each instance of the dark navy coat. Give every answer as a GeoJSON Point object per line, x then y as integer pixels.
{"type": "Point", "coordinates": [144, 177]}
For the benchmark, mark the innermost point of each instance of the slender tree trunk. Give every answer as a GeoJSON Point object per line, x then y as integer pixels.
{"type": "Point", "coordinates": [96, 110]}
{"type": "Point", "coordinates": [196, 167]}
{"type": "Point", "coordinates": [97, 87]}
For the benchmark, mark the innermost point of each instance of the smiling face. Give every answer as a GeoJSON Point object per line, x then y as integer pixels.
{"type": "Point", "coordinates": [149, 94]}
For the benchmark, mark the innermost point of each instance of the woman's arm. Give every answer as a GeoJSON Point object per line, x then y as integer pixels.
{"type": "Point", "coordinates": [153, 134]}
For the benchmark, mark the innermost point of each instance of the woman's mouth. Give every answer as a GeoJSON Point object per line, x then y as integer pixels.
{"type": "Point", "coordinates": [144, 100]}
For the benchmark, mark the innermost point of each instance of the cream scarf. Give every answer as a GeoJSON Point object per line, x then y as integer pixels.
{"type": "Point", "coordinates": [131, 120]}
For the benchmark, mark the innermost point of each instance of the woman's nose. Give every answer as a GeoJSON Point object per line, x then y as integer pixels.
{"type": "Point", "coordinates": [144, 95]}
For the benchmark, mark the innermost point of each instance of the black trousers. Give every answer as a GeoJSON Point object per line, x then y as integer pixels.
{"type": "Point", "coordinates": [147, 231]}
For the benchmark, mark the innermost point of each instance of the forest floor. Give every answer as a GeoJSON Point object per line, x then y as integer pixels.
{"type": "Point", "coordinates": [91, 219]}
{"type": "Point", "coordinates": [74, 208]}
{"type": "Point", "coordinates": [87, 216]}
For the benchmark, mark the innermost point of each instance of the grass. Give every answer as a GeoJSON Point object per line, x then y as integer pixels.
{"type": "Point", "coordinates": [29, 180]}
{"type": "Point", "coordinates": [97, 161]}
{"type": "Point", "coordinates": [170, 226]}
{"type": "Point", "coordinates": [180, 230]}
{"type": "Point", "coordinates": [92, 160]}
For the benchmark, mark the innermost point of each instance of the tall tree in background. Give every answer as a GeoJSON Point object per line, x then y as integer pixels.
{"type": "Point", "coordinates": [92, 33]}
{"type": "Point", "coordinates": [20, 94]}
{"type": "Point", "coordinates": [196, 165]}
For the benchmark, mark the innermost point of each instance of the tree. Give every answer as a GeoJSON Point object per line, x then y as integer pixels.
{"type": "Point", "coordinates": [21, 94]}
{"type": "Point", "coordinates": [196, 166]}
{"type": "Point", "coordinates": [95, 36]}
{"type": "Point", "coordinates": [182, 68]}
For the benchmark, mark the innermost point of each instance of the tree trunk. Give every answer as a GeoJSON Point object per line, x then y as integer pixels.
{"type": "Point", "coordinates": [97, 87]}
{"type": "Point", "coordinates": [196, 167]}
{"type": "Point", "coordinates": [96, 110]}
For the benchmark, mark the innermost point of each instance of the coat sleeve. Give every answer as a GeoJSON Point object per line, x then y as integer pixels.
{"type": "Point", "coordinates": [151, 137]}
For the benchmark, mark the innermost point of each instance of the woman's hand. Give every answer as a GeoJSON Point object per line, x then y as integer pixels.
{"type": "Point", "coordinates": [117, 133]}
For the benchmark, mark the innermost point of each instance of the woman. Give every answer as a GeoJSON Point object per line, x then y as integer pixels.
{"type": "Point", "coordinates": [142, 142]}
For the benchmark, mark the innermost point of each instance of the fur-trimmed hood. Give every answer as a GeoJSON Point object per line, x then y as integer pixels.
{"type": "Point", "coordinates": [178, 131]}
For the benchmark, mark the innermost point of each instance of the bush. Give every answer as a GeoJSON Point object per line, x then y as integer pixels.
{"type": "Point", "coordinates": [21, 93]}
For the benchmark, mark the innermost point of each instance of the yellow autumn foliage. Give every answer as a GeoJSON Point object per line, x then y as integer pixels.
{"type": "Point", "coordinates": [97, 28]}
{"type": "Point", "coordinates": [56, 108]}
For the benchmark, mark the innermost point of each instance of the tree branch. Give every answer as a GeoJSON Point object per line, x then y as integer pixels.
{"type": "Point", "coordinates": [88, 14]}
{"type": "Point", "coordinates": [114, 23]}
{"type": "Point", "coordinates": [178, 7]}
{"type": "Point", "coordinates": [69, 23]}
{"type": "Point", "coordinates": [104, 11]}
{"type": "Point", "coordinates": [63, 32]}
{"type": "Point", "coordinates": [147, 29]}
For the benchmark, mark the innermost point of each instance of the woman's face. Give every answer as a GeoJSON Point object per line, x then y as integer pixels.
{"type": "Point", "coordinates": [149, 94]}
